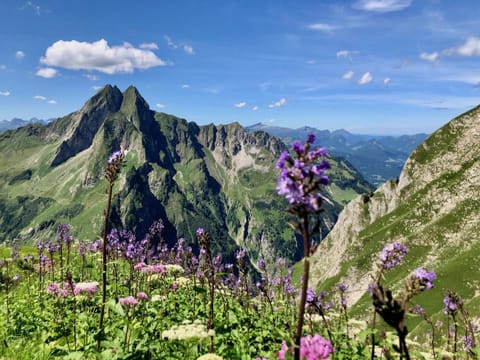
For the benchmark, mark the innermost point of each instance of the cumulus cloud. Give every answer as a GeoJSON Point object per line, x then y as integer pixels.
{"type": "Point", "coordinates": [348, 75]}
{"type": "Point", "coordinates": [322, 27]}
{"type": "Point", "coordinates": [365, 79]}
{"type": "Point", "coordinates": [160, 106]}
{"type": "Point", "coordinates": [4, 93]}
{"type": "Point", "coordinates": [240, 104]}
{"type": "Point", "coordinates": [387, 81]}
{"type": "Point", "coordinates": [150, 46]}
{"type": "Point", "coordinates": [19, 54]}
{"type": "Point", "coordinates": [47, 73]}
{"type": "Point", "coordinates": [99, 56]}
{"type": "Point", "coordinates": [96, 87]}
{"type": "Point", "coordinates": [471, 47]}
{"type": "Point", "coordinates": [382, 6]}
{"type": "Point", "coordinates": [278, 103]}
{"type": "Point", "coordinates": [430, 57]}
{"type": "Point", "coordinates": [40, 97]}
{"type": "Point", "coordinates": [53, 102]}
{"type": "Point", "coordinates": [188, 49]}
{"type": "Point", "coordinates": [185, 86]}
{"type": "Point", "coordinates": [255, 108]}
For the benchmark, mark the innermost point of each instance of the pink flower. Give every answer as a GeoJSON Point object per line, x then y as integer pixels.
{"type": "Point", "coordinates": [283, 351]}
{"type": "Point", "coordinates": [128, 301]}
{"type": "Point", "coordinates": [142, 296]}
{"type": "Point", "coordinates": [315, 348]}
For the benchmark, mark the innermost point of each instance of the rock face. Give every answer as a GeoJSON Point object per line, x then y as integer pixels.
{"type": "Point", "coordinates": [433, 208]}
{"type": "Point", "coordinates": [221, 178]}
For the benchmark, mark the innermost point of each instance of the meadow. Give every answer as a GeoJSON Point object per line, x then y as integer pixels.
{"type": "Point", "coordinates": [120, 297]}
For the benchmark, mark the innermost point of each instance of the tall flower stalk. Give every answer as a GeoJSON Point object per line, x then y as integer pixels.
{"type": "Point", "coordinates": [111, 174]}
{"type": "Point", "coordinates": [301, 180]}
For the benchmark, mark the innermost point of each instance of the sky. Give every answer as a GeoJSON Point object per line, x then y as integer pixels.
{"type": "Point", "coordinates": [367, 66]}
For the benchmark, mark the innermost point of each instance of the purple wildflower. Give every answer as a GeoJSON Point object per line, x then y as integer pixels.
{"type": "Point", "coordinates": [16, 277]}
{"type": "Point", "coordinates": [311, 138]}
{"type": "Point", "coordinates": [417, 309]}
{"type": "Point", "coordinates": [424, 278]}
{"type": "Point", "coordinates": [200, 231]}
{"type": "Point", "coordinates": [116, 156]}
{"type": "Point", "coordinates": [451, 302]}
{"type": "Point", "coordinates": [392, 255]}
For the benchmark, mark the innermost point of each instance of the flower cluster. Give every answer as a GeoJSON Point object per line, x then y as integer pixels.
{"type": "Point", "coordinates": [424, 279]}
{"type": "Point", "coordinates": [392, 255]}
{"type": "Point", "coordinates": [311, 348]}
{"type": "Point", "coordinates": [71, 288]}
{"type": "Point", "coordinates": [128, 301]}
{"type": "Point", "coordinates": [113, 167]}
{"type": "Point", "coordinates": [195, 330]}
{"type": "Point", "coordinates": [301, 178]}
{"type": "Point", "coordinates": [452, 302]}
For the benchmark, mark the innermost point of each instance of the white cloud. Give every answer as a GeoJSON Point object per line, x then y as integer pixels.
{"type": "Point", "coordinates": [170, 42]}
{"type": "Point", "coordinates": [150, 46]}
{"type": "Point", "coordinates": [40, 97]}
{"type": "Point", "coordinates": [430, 57]}
{"type": "Point", "coordinates": [255, 108]}
{"type": "Point", "coordinates": [52, 102]}
{"type": "Point", "coordinates": [365, 79]}
{"type": "Point", "coordinates": [91, 77]}
{"type": "Point", "coordinates": [19, 54]}
{"type": "Point", "coordinates": [46, 73]}
{"type": "Point", "coordinates": [188, 49]}
{"type": "Point", "coordinates": [96, 87]}
{"type": "Point", "coordinates": [346, 54]}
{"type": "Point", "coordinates": [4, 93]}
{"type": "Point", "coordinates": [98, 55]}
{"type": "Point", "coordinates": [185, 86]}
{"type": "Point", "coordinates": [382, 6]}
{"type": "Point", "coordinates": [278, 103]}
{"type": "Point", "coordinates": [322, 27]}
{"type": "Point", "coordinates": [471, 47]}
{"type": "Point", "coordinates": [160, 106]}
{"type": "Point", "coordinates": [240, 104]}
{"type": "Point", "coordinates": [387, 81]}
{"type": "Point", "coordinates": [348, 75]}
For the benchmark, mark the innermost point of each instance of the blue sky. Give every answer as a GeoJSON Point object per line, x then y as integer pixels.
{"type": "Point", "coordinates": [369, 66]}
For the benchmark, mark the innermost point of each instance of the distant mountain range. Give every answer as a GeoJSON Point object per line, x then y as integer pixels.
{"type": "Point", "coordinates": [433, 208]}
{"type": "Point", "coordinates": [221, 178]}
{"type": "Point", "coordinates": [16, 123]}
{"type": "Point", "coordinates": [378, 158]}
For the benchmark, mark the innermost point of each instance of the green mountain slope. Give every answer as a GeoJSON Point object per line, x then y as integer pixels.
{"type": "Point", "coordinates": [434, 209]}
{"type": "Point", "coordinates": [220, 177]}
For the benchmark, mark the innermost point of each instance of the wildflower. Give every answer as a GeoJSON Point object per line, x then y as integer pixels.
{"type": "Point", "coordinates": [417, 309]}
{"type": "Point", "coordinates": [210, 357]}
{"type": "Point", "coordinates": [392, 255]}
{"type": "Point", "coordinates": [200, 231]}
{"type": "Point", "coordinates": [89, 288]}
{"type": "Point", "coordinates": [424, 278]}
{"type": "Point", "coordinates": [300, 179]}
{"type": "Point", "coordinates": [196, 330]}
{"type": "Point", "coordinates": [468, 343]}
{"type": "Point", "coordinates": [283, 350]}
{"type": "Point", "coordinates": [142, 296]}
{"type": "Point", "coordinates": [16, 277]}
{"type": "Point", "coordinates": [128, 301]}
{"type": "Point", "coordinates": [451, 302]}
{"type": "Point", "coordinates": [315, 347]}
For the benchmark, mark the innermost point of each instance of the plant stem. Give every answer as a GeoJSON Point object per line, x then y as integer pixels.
{"type": "Point", "coordinates": [306, 270]}
{"type": "Point", "coordinates": [104, 264]}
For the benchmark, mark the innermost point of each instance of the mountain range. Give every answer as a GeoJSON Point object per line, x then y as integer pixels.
{"type": "Point", "coordinates": [378, 158]}
{"type": "Point", "coordinates": [219, 177]}
{"type": "Point", "coordinates": [433, 208]}
{"type": "Point", "coordinates": [16, 123]}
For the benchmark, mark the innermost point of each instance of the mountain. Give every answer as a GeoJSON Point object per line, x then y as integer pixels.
{"type": "Point", "coordinates": [16, 123]}
{"type": "Point", "coordinates": [219, 177]}
{"type": "Point", "coordinates": [433, 208]}
{"type": "Point", "coordinates": [378, 158]}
